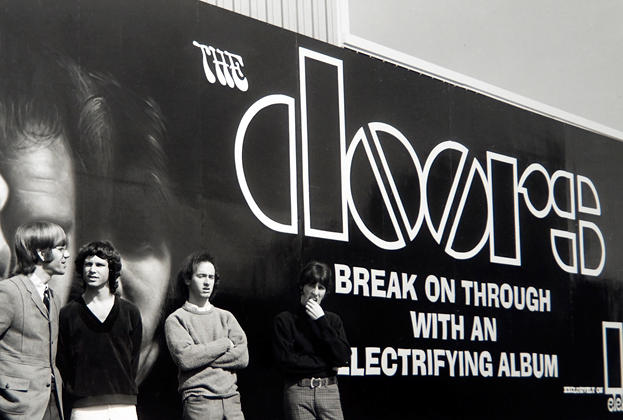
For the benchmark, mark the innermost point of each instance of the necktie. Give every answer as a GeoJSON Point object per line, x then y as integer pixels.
{"type": "Point", "coordinates": [46, 298]}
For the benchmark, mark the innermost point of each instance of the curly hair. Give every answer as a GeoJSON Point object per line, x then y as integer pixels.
{"type": "Point", "coordinates": [188, 269]}
{"type": "Point", "coordinates": [105, 251]}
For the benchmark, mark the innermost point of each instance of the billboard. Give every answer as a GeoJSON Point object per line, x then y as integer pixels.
{"type": "Point", "coordinates": [474, 244]}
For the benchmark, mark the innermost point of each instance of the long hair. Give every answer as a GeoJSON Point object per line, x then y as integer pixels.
{"type": "Point", "coordinates": [315, 272]}
{"type": "Point", "coordinates": [106, 251]}
{"type": "Point", "coordinates": [32, 237]}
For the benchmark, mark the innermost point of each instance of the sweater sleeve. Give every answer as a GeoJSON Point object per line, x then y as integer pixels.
{"type": "Point", "coordinates": [137, 336]}
{"type": "Point", "coordinates": [61, 356]}
{"type": "Point", "coordinates": [64, 353]}
{"type": "Point", "coordinates": [288, 358]}
{"type": "Point", "coordinates": [331, 333]}
{"type": "Point", "coordinates": [238, 356]}
{"type": "Point", "coordinates": [185, 352]}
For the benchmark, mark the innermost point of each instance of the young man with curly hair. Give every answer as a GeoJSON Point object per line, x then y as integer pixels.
{"type": "Point", "coordinates": [100, 340]}
{"type": "Point", "coordinates": [207, 344]}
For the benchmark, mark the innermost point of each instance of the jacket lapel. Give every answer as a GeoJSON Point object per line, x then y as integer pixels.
{"type": "Point", "coordinates": [53, 305]}
{"type": "Point", "coordinates": [34, 295]}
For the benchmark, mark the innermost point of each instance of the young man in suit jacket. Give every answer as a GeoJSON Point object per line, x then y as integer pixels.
{"type": "Point", "coordinates": [30, 384]}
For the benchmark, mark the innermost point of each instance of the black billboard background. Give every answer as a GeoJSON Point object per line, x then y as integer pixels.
{"type": "Point", "coordinates": [147, 46]}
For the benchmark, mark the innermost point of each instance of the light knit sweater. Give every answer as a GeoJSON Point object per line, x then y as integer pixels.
{"type": "Point", "coordinates": [198, 342]}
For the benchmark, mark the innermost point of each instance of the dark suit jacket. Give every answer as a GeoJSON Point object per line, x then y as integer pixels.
{"type": "Point", "coordinates": [27, 350]}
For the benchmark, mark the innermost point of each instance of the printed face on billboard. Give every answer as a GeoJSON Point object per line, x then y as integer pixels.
{"type": "Point", "coordinates": [79, 150]}
{"type": "Point", "coordinates": [39, 179]}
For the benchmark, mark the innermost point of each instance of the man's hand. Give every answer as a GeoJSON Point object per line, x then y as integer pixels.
{"type": "Point", "coordinates": [313, 309]}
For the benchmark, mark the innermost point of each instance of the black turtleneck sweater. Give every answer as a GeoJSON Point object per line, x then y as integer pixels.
{"type": "Point", "coordinates": [305, 348]}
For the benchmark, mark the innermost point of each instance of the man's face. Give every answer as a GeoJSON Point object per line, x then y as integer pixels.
{"type": "Point", "coordinates": [201, 284]}
{"type": "Point", "coordinates": [95, 272]}
{"type": "Point", "coordinates": [38, 182]}
{"type": "Point", "coordinates": [313, 291]}
{"type": "Point", "coordinates": [144, 281]}
{"type": "Point", "coordinates": [55, 263]}
{"type": "Point", "coordinates": [40, 186]}
{"type": "Point", "coordinates": [138, 236]}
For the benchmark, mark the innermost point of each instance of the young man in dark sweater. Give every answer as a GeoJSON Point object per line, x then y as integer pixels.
{"type": "Point", "coordinates": [309, 345]}
{"type": "Point", "coordinates": [100, 341]}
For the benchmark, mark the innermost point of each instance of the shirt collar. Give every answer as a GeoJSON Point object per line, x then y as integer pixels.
{"type": "Point", "coordinates": [196, 308]}
{"type": "Point", "coordinates": [39, 284]}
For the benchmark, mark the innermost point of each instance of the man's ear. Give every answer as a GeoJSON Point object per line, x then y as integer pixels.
{"type": "Point", "coordinates": [44, 255]}
{"type": "Point", "coordinates": [5, 249]}
{"type": "Point", "coordinates": [4, 192]}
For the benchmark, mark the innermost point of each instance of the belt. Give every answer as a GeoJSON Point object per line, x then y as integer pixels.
{"type": "Point", "coordinates": [317, 382]}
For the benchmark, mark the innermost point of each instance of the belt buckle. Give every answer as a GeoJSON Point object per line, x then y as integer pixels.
{"type": "Point", "coordinates": [311, 383]}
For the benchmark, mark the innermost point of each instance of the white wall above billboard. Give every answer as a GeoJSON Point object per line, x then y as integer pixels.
{"type": "Point", "coordinates": [559, 58]}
